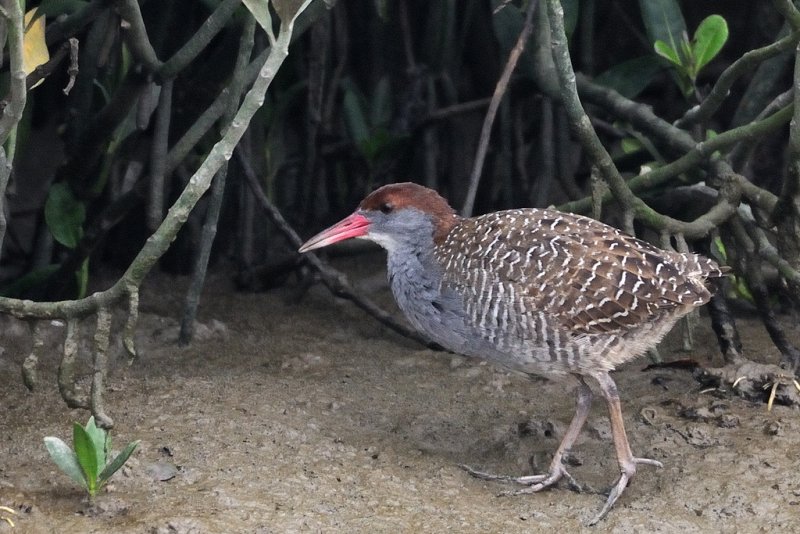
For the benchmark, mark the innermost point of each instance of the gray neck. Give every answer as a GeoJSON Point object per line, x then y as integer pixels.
{"type": "Point", "coordinates": [414, 274]}
{"type": "Point", "coordinates": [433, 309]}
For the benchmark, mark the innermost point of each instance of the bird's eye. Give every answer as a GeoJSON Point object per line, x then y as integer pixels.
{"type": "Point", "coordinates": [386, 207]}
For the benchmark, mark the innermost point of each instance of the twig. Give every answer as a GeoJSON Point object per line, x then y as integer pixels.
{"type": "Point", "coordinates": [30, 375]}
{"type": "Point", "coordinates": [200, 39]}
{"type": "Point", "coordinates": [209, 117]}
{"type": "Point", "coordinates": [160, 241]}
{"type": "Point", "coordinates": [68, 26]}
{"type": "Point", "coordinates": [100, 303]}
{"type": "Point", "coordinates": [209, 231]}
{"type": "Point", "coordinates": [12, 113]}
{"type": "Point", "coordinates": [46, 69]}
{"type": "Point", "coordinates": [598, 155]}
{"type": "Point", "coordinates": [786, 215]}
{"type": "Point", "coordinates": [677, 140]}
{"type": "Point", "coordinates": [318, 54]}
{"type": "Point", "coordinates": [488, 121]}
{"type": "Point", "coordinates": [452, 111]}
{"type": "Point", "coordinates": [5, 174]}
{"type": "Point", "coordinates": [66, 368]}
{"type": "Point", "coordinates": [789, 12]}
{"type": "Point", "coordinates": [72, 70]}
{"type": "Point", "coordinates": [748, 241]}
{"type": "Point", "coordinates": [128, 340]}
{"type": "Point", "coordinates": [724, 326]}
{"type": "Point", "coordinates": [736, 154]}
{"type": "Point", "coordinates": [334, 280]}
{"type": "Point", "coordinates": [135, 35]}
{"type": "Point", "coordinates": [158, 157]}
{"type": "Point", "coordinates": [93, 137]}
{"type": "Point", "coordinates": [102, 335]}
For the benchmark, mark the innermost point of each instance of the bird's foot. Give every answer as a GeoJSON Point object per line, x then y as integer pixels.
{"type": "Point", "coordinates": [5, 518]}
{"type": "Point", "coordinates": [627, 472]}
{"type": "Point", "coordinates": [532, 483]}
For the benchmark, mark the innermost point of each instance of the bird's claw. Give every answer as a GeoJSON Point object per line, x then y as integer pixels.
{"type": "Point", "coordinates": [532, 483]}
{"type": "Point", "coordinates": [626, 474]}
{"type": "Point", "coordinates": [8, 510]}
{"type": "Point", "coordinates": [648, 461]}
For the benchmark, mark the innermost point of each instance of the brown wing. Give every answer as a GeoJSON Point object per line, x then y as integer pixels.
{"type": "Point", "coordinates": [588, 277]}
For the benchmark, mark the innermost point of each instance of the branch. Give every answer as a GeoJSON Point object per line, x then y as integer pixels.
{"type": "Point", "coordinates": [334, 280]}
{"type": "Point", "coordinates": [678, 140]}
{"type": "Point", "coordinates": [200, 39]}
{"type": "Point", "coordinates": [159, 242]}
{"type": "Point", "coordinates": [158, 157]}
{"type": "Point", "coordinates": [697, 155]}
{"type": "Point", "coordinates": [789, 12]}
{"type": "Point", "coordinates": [5, 173]}
{"type": "Point", "coordinates": [95, 136]}
{"type": "Point", "coordinates": [17, 90]}
{"type": "Point", "coordinates": [68, 26]}
{"type": "Point", "coordinates": [139, 44]}
{"type": "Point", "coordinates": [736, 154]}
{"type": "Point", "coordinates": [721, 89]}
{"type": "Point", "coordinates": [209, 117]}
{"type": "Point", "coordinates": [786, 215]}
{"type": "Point", "coordinates": [101, 303]}
{"type": "Point", "coordinates": [209, 231]}
{"type": "Point", "coordinates": [488, 121]}
{"type": "Point", "coordinates": [640, 116]}
{"type": "Point", "coordinates": [599, 157]}
{"type": "Point", "coordinates": [750, 240]}
{"type": "Point", "coordinates": [135, 35]}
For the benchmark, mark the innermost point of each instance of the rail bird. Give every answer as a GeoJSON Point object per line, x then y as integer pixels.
{"type": "Point", "coordinates": [534, 290]}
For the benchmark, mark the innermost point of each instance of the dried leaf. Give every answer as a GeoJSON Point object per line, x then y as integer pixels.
{"type": "Point", "coordinates": [34, 47]}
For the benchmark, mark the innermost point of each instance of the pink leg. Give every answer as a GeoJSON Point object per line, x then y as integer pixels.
{"type": "Point", "coordinates": [536, 483]}
{"type": "Point", "coordinates": [627, 462]}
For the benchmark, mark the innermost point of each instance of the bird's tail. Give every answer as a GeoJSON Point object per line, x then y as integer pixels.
{"type": "Point", "coordinates": [696, 266]}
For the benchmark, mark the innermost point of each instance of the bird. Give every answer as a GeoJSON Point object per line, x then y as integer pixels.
{"type": "Point", "coordinates": [539, 291]}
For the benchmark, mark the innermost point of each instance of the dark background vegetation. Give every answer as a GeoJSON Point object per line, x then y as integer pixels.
{"type": "Point", "coordinates": [379, 91]}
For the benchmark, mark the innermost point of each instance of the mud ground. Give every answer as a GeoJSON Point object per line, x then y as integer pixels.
{"type": "Point", "coordinates": [311, 417]}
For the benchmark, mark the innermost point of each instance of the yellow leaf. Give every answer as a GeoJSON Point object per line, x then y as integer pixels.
{"type": "Point", "coordinates": [34, 47]}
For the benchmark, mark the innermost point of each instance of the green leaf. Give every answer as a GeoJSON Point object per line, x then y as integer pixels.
{"type": "Point", "coordinates": [87, 456]}
{"type": "Point", "coordinates": [709, 38]}
{"type": "Point", "coordinates": [667, 52]}
{"type": "Point", "coordinates": [663, 21]}
{"type": "Point", "coordinates": [630, 145]}
{"type": "Point", "coordinates": [118, 462]}
{"type": "Point", "coordinates": [631, 77]}
{"type": "Point", "coordinates": [65, 459]}
{"type": "Point", "coordinates": [98, 438]}
{"type": "Point", "coordinates": [743, 289]}
{"type": "Point", "coordinates": [64, 215]}
{"type": "Point", "coordinates": [718, 250]}
{"type": "Point", "coordinates": [686, 54]}
{"type": "Point", "coordinates": [260, 11]}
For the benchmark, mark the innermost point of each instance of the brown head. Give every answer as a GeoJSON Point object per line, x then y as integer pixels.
{"type": "Point", "coordinates": [390, 213]}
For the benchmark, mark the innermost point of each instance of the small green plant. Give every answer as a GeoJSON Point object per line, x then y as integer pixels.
{"type": "Point", "coordinates": [689, 57]}
{"type": "Point", "coordinates": [88, 464]}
